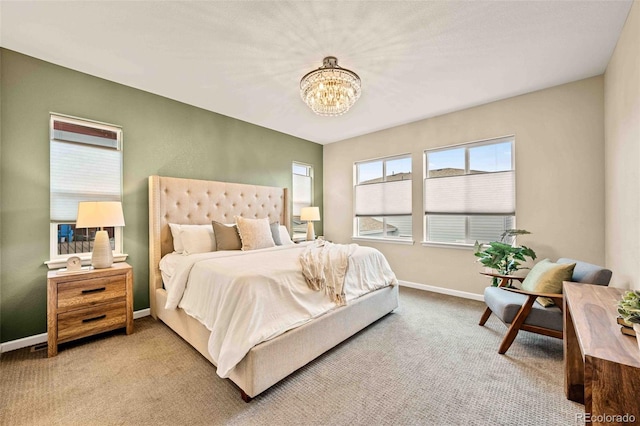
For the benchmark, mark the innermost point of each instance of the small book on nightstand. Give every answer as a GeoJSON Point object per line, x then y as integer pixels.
{"type": "Point", "coordinates": [82, 270]}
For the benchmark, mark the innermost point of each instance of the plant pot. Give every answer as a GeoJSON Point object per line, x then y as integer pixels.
{"type": "Point", "coordinates": [636, 328]}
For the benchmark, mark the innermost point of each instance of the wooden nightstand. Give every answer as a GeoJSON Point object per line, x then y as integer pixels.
{"type": "Point", "coordinates": [88, 303]}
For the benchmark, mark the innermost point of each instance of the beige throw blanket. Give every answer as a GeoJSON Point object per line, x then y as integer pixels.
{"type": "Point", "coordinates": [324, 266]}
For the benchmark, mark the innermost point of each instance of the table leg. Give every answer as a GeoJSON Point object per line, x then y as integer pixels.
{"type": "Point", "coordinates": [573, 361]}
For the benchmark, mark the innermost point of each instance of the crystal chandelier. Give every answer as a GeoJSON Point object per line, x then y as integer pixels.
{"type": "Point", "coordinates": [330, 90]}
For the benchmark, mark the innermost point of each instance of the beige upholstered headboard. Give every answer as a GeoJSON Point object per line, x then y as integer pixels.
{"type": "Point", "coordinates": [191, 201]}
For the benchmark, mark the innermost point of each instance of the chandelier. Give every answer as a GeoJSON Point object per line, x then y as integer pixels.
{"type": "Point", "coordinates": [330, 90]}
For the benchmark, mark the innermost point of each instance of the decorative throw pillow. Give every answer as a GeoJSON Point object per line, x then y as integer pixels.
{"type": "Point", "coordinates": [254, 233]}
{"type": "Point", "coordinates": [197, 239]}
{"type": "Point", "coordinates": [547, 277]}
{"type": "Point", "coordinates": [275, 233]}
{"type": "Point", "coordinates": [227, 237]}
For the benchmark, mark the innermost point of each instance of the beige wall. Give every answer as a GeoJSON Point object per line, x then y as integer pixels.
{"type": "Point", "coordinates": [622, 154]}
{"type": "Point", "coordinates": [559, 171]}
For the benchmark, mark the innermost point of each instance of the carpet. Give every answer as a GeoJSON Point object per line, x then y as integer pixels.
{"type": "Point", "coordinates": [428, 363]}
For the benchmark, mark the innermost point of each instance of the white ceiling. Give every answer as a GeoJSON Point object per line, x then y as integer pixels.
{"type": "Point", "coordinates": [245, 59]}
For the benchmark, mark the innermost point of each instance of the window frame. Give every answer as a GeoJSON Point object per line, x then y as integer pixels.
{"type": "Point", "coordinates": [309, 167]}
{"type": "Point", "coordinates": [60, 260]}
{"type": "Point", "coordinates": [356, 179]}
{"type": "Point", "coordinates": [467, 146]}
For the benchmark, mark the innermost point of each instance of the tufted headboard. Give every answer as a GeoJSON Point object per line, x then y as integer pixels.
{"type": "Point", "coordinates": [191, 201]}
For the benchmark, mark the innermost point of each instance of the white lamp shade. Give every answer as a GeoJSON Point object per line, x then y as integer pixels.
{"type": "Point", "coordinates": [96, 214]}
{"type": "Point", "coordinates": [310, 213]}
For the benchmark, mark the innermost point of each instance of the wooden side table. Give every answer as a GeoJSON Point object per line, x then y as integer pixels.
{"type": "Point", "coordinates": [504, 279]}
{"type": "Point", "coordinates": [601, 365]}
{"type": "Point", "coordinates": [88, 303]}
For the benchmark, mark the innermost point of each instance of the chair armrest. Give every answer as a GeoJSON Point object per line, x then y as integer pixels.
{"type": "Point", "coordinates": [533, 293]}
{"type": "Point", "coordinates": [508, 277]}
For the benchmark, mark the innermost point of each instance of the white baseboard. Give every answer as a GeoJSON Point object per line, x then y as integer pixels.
{"type": "Point", "coordinates": [141, 313]}
{"type": "Point", "coordinates": [442, 290]}
{"type": "Point", "coordinates": [25, 342]}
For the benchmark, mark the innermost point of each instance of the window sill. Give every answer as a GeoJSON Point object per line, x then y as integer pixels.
{"type": "Point", "coordinates": [448, 245]}
{"type": "Point", "coordinates": [85, 259]}
{"type": "Point", "coordinates": [384, 240]}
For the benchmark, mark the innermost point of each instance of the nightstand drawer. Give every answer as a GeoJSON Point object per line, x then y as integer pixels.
{"type": "Point", "coordinates": [90, 292]}
{"type": "Point", "coordinates": [89, 321]}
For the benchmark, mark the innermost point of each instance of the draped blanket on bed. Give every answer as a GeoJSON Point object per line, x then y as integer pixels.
{"type": "Point", "coordinates": [324, 266]}
{"type": "Point", "coordinates": [245, 298]}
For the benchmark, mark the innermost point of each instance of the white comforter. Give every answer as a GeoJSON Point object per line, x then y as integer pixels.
{"type": "Point", "coordinates": [245, 298]}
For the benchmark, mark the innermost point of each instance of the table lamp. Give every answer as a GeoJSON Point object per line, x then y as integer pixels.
{"type": "Point", "coordinates": [310, 214]}
{"type": "Point", "coordinates": [99, 214]}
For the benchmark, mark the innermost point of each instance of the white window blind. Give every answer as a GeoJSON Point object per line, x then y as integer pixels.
{"type": "Point", "coordinates": [485, 228]}
{"type": "Point", "coordinates": [391, 198]}
{"type": "Point", "coordinates": [474, 194]}
{"type": "Point", "coordinates": [301, 192]}
{"type": "Point", "coordinates": [462, 229]}
{"type": "Point", "coordinates": [470, 191]}
{"type": "Point", "coordinates": [85, 165]}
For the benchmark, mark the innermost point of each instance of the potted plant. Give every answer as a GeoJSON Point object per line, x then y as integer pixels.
{"type": "Point", "coordinates": [629, 310]}
{"type": "Point", "coordinates": [503, 257]}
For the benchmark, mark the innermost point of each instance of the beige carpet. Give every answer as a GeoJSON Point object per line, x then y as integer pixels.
{"type": "Point", "coordinates": [427, 363]}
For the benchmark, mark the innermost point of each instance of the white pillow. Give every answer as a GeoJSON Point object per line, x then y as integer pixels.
{"type": "Point", "coordinates": [285, 237]}
{"type": "Point", "coordinates": [254, 233]}
{"type": "Point", "coordinates": [197, 239]}
{"type": "Point", "coordinates": [176, 233]}
{"type": "Point", "coordinates": [178, 247]}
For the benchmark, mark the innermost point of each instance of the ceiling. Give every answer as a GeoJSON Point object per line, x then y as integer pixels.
{"type": "Point", "coordinates": [245, 59]}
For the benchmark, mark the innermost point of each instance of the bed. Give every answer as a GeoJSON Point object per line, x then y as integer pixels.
{"type": "Point", "coordinates": [198, 202]}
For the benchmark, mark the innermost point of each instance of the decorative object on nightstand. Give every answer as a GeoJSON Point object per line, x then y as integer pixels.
{"type": "Point", "coordinates": [310, 214]}
{"type": "Point", "coordinates": [98, 214]}
{"type": "Point", "coordinates": [81, 305]}
{"type": "Point", "coordinates": [74, 264]}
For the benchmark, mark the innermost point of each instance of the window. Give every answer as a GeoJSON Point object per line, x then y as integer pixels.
{"type": "Point", "coordinates": [383, 198]}
{"type": "Point", "coordinates": [85, 165]}
{"type": "Point", "coordinates": [469, 192]}
{"type": "Point", "coordinates": [302, 195]}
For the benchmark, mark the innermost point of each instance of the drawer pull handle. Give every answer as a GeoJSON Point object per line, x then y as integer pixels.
{"type": "Point", "coordinates": [95, 318]}
{"type": "Point", "coordinates": [94, 290]}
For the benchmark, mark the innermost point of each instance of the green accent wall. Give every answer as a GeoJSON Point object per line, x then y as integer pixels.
{"type": "Point", "coordinates": [161, 136]}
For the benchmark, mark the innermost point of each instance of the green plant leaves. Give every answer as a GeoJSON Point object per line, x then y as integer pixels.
{"type": "Point", "coordinates": [503, 257]}
{"type": "Point", "coordinates": [629, 307]}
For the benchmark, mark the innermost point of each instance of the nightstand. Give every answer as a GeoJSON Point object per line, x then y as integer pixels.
{"type": "Point", "coordinates": [88, 303]}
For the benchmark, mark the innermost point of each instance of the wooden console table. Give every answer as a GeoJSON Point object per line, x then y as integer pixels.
{"type": "Point", "coordinates": [601, 365]}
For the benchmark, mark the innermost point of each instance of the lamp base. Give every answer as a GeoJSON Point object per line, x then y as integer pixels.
{"type": "Point", "coordinates": [102, 256]}
{"type": "Point", "coordinates": [311, 234]}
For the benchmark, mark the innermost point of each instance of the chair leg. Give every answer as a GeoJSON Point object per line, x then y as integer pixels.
{"type": "Point", "coordinates": [516, 324]}
{"type": "Point", "coordinates": [485, 316]}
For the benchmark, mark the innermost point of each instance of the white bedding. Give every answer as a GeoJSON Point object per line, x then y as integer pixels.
{"type": "Point", "coordinates": [247, 297]}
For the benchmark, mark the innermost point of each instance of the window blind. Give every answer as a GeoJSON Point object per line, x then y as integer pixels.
{"type": "Point", "coordinates": [446, 229]}
{"type": "Point", "coordinates": [301, 193]}
{"type": "Point", "coordinates": [87, 169]}
{"type": "Point", "coordinates": [391, 198]}
{"type": "Point", "coordinates": [474, 194]}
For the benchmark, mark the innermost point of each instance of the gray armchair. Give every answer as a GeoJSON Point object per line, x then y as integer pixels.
{"type": "Point", "coordinates": [519, 310]}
